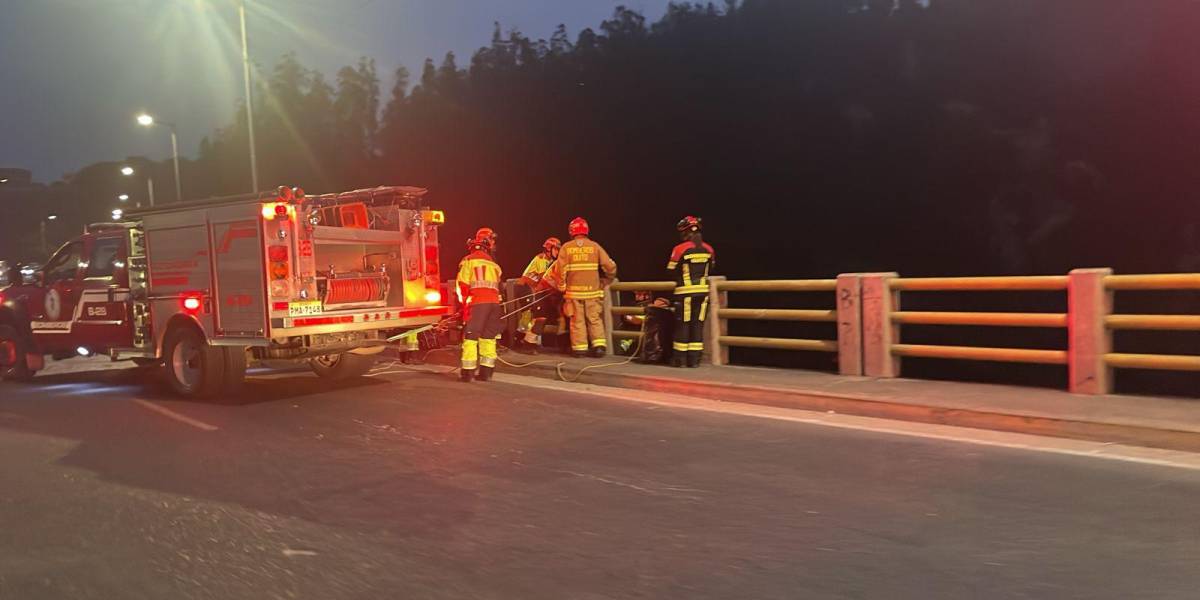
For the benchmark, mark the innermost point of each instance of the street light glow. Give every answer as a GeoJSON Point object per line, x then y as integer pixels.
{"type": "Point", "coordinates": [145, 119]}
{"type": "Point", "coordinates": [5, 180]}
{"type": "Point", "coordinates": [123, 197]}
{"type": "Point", "coordinates": [116, 213]}
{"type": "Point", "coordinates": [127, 170]}
{"type": "Point", "coordinates": [51, 217]}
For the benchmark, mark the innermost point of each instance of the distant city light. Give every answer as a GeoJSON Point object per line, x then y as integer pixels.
{"type": "Point", "coordinates": [116, 213]}
{"type": "Point", "coordinates": [51, 217]}
{"type": "Point", "coordinates": [127, 170]}
{"type": "Point", "coordinates": [145, 119]}
{"type": "Point", "coordinates": [5, 180]}
{"type": "Point", "coordinates": [123, 197]}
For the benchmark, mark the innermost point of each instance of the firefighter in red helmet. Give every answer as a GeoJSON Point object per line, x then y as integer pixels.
{"type": "Point", "coordinates": [548, 305]}
{"type": "Point", "coordinates": [690, 265]}
{"type": "Point", "coordinates": [478, 286]}
{"type": "Point", "coordinates": [581, 272]}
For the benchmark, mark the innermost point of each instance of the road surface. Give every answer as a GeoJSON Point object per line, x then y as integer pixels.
{"type": "Point", "coordinates": [412, 485]}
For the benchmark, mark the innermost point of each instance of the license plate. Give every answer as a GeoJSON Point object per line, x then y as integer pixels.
{"type": "Point", "coordinates": [304, 309]}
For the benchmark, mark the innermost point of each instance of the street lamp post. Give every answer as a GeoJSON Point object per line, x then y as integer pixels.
{"type": "Point", "coordinates": [249, 98]}
{"type": "Point", "coordinates": [146, 120]}
{"type": "Point", "coordinates": [42, 228]}
{"type": "Point", "coordinates": [128, 171]}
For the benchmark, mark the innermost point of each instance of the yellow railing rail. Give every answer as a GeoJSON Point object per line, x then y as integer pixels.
{"type": "Point", "coordinates": [779, 285]}
{"type": "Point", "coordinates": [777, 314]}
{"type": "Point", "coordinates": [1154, 322]}
{"type": "Point", "coordinates": [1006, 284]}
{"type": "Point", "coordinates": [1163, 281]}
{"type": "Point", "coordinates": [778, 343]}
{"type": "Point", "coordinates": [642, 286]}
{"type": "Point", "coordinates": [1165, 362]}
{"type": "Point", "coordinates": [1019, 355]}
{"type": "Point", "coordinates": [992, 319]}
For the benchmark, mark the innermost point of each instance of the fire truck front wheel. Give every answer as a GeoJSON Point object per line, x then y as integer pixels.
{"type": "Point", "coordinates": [342, 366]}
{"type": "Point", "coordinates": [193, 368]}
{"type": "Point", "coordinates": [12, 356]}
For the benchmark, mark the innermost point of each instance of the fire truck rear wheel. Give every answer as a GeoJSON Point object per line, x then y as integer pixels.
{"type": "Point", "coordinates": [12, 356]}
{"type": "Point", "coordinates": [342, 366]}
{"type": "Point", "coordinates": [193, 368]}
{"type": "Point", "coordinates": [235, 374]}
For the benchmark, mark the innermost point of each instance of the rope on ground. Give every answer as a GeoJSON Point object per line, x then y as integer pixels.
{"type": "Point", "coordinates": [559, 364]}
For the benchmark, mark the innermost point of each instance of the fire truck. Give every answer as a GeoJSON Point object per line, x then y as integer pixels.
{"type": "Point", "coordinates": [203, 288]}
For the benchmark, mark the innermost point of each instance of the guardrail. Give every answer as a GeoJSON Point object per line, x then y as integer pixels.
{"type": "Point", "coordinates": [1089, 321]}
{"type": "Point", "coordinates": [718, 341]}
{"type": "Point", "coordinates": [867, 311]}
{"type": "Point", "coordinates": [1172, 362]}
{"type": "Point", "coordinates": [884, 320]}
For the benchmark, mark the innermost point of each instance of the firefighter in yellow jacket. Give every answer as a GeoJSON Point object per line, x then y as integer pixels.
{"type": "Point", "coordinates": [478, 286]}
{"type": "Point", "coordinates": [532, 322]}
{"type": "Point", "coordinates": [581, 272]}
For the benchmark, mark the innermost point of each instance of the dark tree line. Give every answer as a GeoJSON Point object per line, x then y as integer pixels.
{"type": "Point", "coordinates": [813, 136]}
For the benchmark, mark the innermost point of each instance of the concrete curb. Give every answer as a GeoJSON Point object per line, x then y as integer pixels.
{"type": "Point", "coordinates": [882, 407]}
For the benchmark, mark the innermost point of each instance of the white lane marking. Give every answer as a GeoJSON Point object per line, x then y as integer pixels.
{"type": "Point", "coordinates": [949, 433]}
{"type": "Point", "coordinates": [288, 552]}
{"type": "Point", "coordinates": [170, 414]}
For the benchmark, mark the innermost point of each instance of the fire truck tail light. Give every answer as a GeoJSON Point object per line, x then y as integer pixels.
{"type": "Point", "coordinates": [191, 303]}
{"type": "Point", "coordinates": [433, 296]}
{"type": "Point", "coordinates": [278, 306]}
{"type": "Point", "coordinates": [279, 288]}
{"type": "Point", "coordinates": [272, 210]}
{"type": "Point", "coordinates": [278, 253]}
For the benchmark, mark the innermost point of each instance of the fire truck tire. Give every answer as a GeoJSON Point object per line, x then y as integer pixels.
{"type": "Point", "coordinates": [342, 366]}
{"type": "Point", "coordinates": [193, 368]}
{"type": "Point", "coordinates": [235, 374]}
{"type": "Point", "coordinates": [12, 360]}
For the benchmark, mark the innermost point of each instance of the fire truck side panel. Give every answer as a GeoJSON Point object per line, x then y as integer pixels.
{"type": "Point", "coordinates": [239, 287]}
{"type": "Point", "coordinates": [412, 249]}
{"type": "Point", "coordinates": [180, 267]}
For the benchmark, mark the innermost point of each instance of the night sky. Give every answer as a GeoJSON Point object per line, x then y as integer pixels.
{"type": "Point", "coordinates": [75, 72]}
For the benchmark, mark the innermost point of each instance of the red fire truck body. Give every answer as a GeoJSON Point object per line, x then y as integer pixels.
{"type": "Point", "coordinates": [204, 287]}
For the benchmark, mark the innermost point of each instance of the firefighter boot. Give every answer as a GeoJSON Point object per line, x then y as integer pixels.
{"type": "Point", "coordinates": [693, 358]}
{"type": "Point", "coordinates": [485, 373]}
{"type": "Point", "coordinates": [467, 375]}
{"type": "Point", "coordinates": [678, 359]}
{"type": "Point", "coordinates": [599, 351]}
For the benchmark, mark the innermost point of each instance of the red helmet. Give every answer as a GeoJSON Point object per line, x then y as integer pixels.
{"type": "Point", "coordinates": [578, 226]}
{"type": "Point", "coordinates": [551, 243]}
{"type": "Point", "coordinates": [688, 223]}
{"type": "Point", "coordinates": [485, 239]}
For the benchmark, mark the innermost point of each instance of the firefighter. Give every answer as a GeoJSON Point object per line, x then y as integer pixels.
{"type": "Point", "coordinates": [689, 267]}
{"type": "Point", "coordinates": [533, 321]}
{"type": "Point", "coordinates": [581, 272]}
{"type": "Point", "coordinates": [478, 286]}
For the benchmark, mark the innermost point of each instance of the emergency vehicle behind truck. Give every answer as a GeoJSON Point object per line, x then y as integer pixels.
{"type": "Point", "coordinates": [204, 288]}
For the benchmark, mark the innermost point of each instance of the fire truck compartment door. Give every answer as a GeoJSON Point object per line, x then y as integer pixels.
{"type": "Point", "coordinates": [239, 298]}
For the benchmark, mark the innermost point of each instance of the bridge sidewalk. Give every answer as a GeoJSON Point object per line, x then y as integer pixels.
{"type": "Point", "coordinates": [1145, 421]}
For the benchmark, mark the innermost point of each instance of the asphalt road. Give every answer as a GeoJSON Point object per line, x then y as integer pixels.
{"type": "Point", "coordinates": [412, 485]}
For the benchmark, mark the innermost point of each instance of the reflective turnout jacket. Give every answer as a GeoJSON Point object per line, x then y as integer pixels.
{"type": "Point", "coordinates": [538, 267]}
{"type": "Point", "coordinates": [478, 279]}
{"type": "Point", "coordinates": [578, 268]}
{"type": "Point", "coordinates": [689, 266]}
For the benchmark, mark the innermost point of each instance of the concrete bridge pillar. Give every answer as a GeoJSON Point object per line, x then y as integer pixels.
{"type": "Point", "coordinates": [1088, 304]}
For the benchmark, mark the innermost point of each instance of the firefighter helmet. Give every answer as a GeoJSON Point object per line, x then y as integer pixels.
{"type": "Point", "coordinates": [689, 224]}
{"type": "Point", "coordinates": [551, 244]}
{"type": "Point", "coordinates": [578, 226]}
{"type": "Point", "coordinates": [485, 239]}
